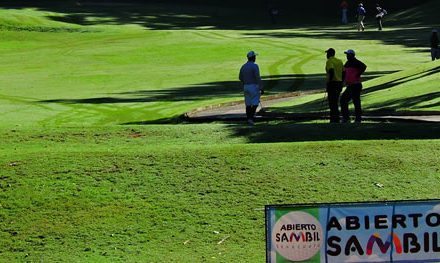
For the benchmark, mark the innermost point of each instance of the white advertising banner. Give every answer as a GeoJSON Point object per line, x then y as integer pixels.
{"type": "Point", "coordinates": [406, 231]}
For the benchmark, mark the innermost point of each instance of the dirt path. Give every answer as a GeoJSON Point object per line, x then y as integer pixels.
{"type": "Point", "coordinates": [235, 110]}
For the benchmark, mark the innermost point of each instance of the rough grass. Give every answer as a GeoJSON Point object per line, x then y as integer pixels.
{"type": "Point", "coordinates": [174, 192]}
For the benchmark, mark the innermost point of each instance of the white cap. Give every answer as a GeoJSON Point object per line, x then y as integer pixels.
{"type": "Point", "coordinates": [350, 51]}
{"type": "Point", "coordinates": [251, 54]}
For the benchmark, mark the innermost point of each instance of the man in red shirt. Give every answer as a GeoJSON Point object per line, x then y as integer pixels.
{"type": "Point", "coordinates": [353, 69]}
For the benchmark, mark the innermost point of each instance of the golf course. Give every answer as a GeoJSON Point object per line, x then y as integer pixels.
{"type": "Point", "coordinates": [99, 162]}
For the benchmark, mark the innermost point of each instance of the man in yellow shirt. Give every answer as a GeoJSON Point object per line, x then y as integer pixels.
{"type": "Point", "coordinates": [334, 69]}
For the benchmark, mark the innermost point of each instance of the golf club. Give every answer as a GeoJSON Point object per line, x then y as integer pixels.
{"type": "Point", "coordinates": [321, 108]}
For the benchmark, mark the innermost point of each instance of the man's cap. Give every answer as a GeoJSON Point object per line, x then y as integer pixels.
{"type": "Point", "coordinates": [434, 31]}
{"type": "Point", "coordinates": [251, 54]}
{"type": "Point", "coordinates": [350, 51]}
{"type": "Point", "coordinates": [360, 4]}
{"type": "Point", "coordinates": [330, 50]}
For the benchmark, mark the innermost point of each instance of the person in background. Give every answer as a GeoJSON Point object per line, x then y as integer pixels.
{"type": "Point", "coordinates": [435, 51]}
{"type": "Point", "coordinates": [379, 16]}
{"type": "Point", "coordinates": [353, 69]}
{"type": "Point", "coordinates": [333, 69]}
{"type": "Point", "coordinates": [361, 12]}
{"type": "Point", "coordinates": [252, 86]}
{"type": "Point", "coordinates": [274, 12]}
{"type": "Point", "coordinates": [344, 10]}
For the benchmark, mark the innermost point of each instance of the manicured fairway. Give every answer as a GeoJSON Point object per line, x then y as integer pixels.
{"type": "Point", "coordinates": [57, 73]}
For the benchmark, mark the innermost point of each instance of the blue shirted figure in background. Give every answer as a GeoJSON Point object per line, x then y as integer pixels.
{"type": "Point", "coordinates": [252, 86]}
{"type": "Point", "coordinates": [361, 16]}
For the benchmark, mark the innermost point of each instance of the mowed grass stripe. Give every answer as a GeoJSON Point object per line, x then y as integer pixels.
{"type": "Point", "coordinates": [116, 60]}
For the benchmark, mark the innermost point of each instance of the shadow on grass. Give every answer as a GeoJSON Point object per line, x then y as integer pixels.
{"type": "Point", "coordinates": [224, 89]}
{"type": "Point", "coordinates": [166, 15]}
{"type": "Point", "coordinates": [416, 36]}
{"type": "Point", "coordinates": [307, 82]}
{"type": "Point", "coordinates": [402, 80]}
{"type": "Point", "coordinates": [194, 14]}
{"type": "Point", "coordinates": [191, 93]}
{"type": "Point", "coordinates": [411, 102]}
{"type": "Point", "coordinates": [331, 132]}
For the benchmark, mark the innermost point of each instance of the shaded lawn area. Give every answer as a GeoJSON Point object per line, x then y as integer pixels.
{"type": "Point", "coordinates": [226, 14]}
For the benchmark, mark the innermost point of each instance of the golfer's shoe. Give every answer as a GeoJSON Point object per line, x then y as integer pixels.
{"type": "Point", "coordinates": [250, 122]}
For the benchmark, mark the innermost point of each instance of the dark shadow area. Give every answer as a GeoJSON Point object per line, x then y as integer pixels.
{"type": "Point", "coordinates": [417, 36]}
{"type": "Point", "coordinates": [288, 132]}
{"type": "Point", "coordinates": [197, 92]}
{"type": "Point", "coordinates": [205, 91]}
{"type": "Point", "coordinates": [399, 81]}
{"type": "Point", "coordinates": [171, 120]}
{"type": "Point", "coordinates": [193, 14]}
{"type": "Point", "coordinates": [307, 82]}
{"type": "Point", "coordinates": [225, 89]}
{"type": "Point", "coordinates": [411, 102]}
{"type": "Point", "coordinates": [166, 15]}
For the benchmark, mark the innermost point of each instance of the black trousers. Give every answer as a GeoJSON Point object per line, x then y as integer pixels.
{"type": "Point", "coordinates": [352, 92]}
{"type": "Point", "coordinates": [334, 89]}
{"type": "Point", "coordinates": [250, 112]}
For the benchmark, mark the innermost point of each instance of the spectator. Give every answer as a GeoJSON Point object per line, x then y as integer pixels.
{"type": "Point", "coordinates": [344, 10]}
{"type": "Point", "coordinates": [353, 69]}
{"type": "Point", "coordinates": [361, 12]}
{"type": "Point", "coordinates": [252, 86]}
{"type": "Point", "coordinates": [379, 16]}
{"type": "Point", "coordinates": [333, 69]}
{"type": "Point", "coordinates": [274, 12]}
{"type": "Point", "coordinates": [435, 51]}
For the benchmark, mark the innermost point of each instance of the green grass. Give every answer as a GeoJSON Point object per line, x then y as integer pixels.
{"type": "Point", "coordinates": [163, 192]}
{"type": "Point", "coordinates": [113, 75]}
{"type": "Point", "coordinates": [76, 184]}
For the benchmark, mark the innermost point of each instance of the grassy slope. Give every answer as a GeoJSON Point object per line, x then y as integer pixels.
{"type": "Point", "coordinates": [163, 192]}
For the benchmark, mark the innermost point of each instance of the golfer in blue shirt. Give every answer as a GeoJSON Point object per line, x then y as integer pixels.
{"type": "Point", "coordinates": [361, 16]}
{"type": "Point", "coordinates": [252, 85]}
